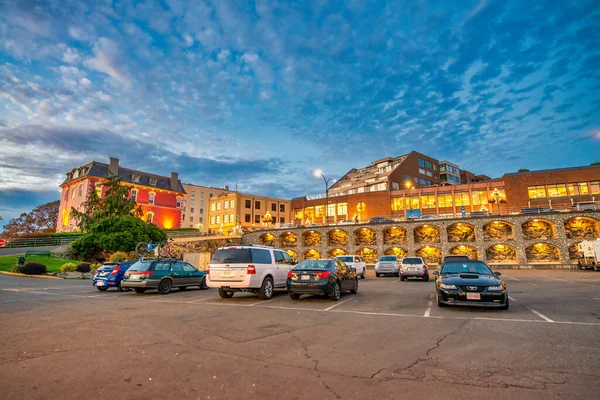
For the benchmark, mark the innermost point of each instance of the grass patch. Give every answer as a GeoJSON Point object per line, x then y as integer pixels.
{"type": "Point", "coordinates": [52, 264]}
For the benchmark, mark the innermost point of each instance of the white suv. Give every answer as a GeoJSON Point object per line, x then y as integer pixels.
{"type": "Point", "coordinates": [357, 263]}
{"type": "Point", "coordinates": [413, 267]}
{"type": "Point", "coordinates": [253, 268]}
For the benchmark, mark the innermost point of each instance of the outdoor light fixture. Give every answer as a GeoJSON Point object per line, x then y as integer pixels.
{"type": "Point", "coordinates": [319, 173]}
{"type": "Point", "coordinates": [535, 220]}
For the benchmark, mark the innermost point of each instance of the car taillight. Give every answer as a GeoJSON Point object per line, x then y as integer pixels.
{"type": "Point", "coordinates": [251, 270]}
{"type": "Point", "coordinates": [115, 270]}
{"type": "Point", "coordinates": [290, 274]}
{"type": "Point", "coordinates": [146, 273]}
{"type": "Point", "coordinates": [323, 275]}
{"type": "Point", "coordinates": [424, 266]}
{"type": "Point", "coordinates": [208, 270]}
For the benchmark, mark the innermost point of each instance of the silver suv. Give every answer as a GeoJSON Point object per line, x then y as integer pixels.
{"type": "Point", "coordinates": [253, 268]}
{"type": "Point", "coordinates": [413, 267]}
{"type": "Point", "coordinates": [387, 265]}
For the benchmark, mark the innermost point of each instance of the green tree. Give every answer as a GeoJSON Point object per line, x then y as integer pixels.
{"type": "Point", "coordinates": [41, 219]}
{"type": "Point", "coordinates": [116, 202]}
{"type": "Point", "coordinates": [592, 164]}
{"type": "Point", "coordinates": [523, 170]}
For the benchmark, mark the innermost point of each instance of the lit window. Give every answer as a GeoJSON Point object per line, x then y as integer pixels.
{"type": "Point", "coordinates": [444, 200]}
{"type": "Point", "coordinates": [578, 189]}
{"type": "Point", "coordinates": [537, 192]}
{"type": "Point", "coordinates": [231, 218]}
{"type": "Point", "coordinates": [231, 203]}
{"type": "Point", "coordinates": [213, 207]}
{"type": "Point", "coordinates": [226, 218]}
{"type": "Point", "coordinates": [225, 205]}
{"type": "Point", "coordinates": [150, 217]}
{"type": "Point", "coordinates": [218, 219]}
{"type": "Point", "coordinates": [212, 220]}
{"type": "Point", "coordinates": [397, 204]}
{"type": "Point", "coordinates": [557, 190]}
{"type": "Point", "coordinates": [151, 198]}
{"type": "Point", "coordinates": [218, 206]}
{"type": "Point", "coordinates": [428, 173]}
{"type": "Point", "coordinates": [98, 190]}
{"type": "Point", "coordinates": [462, 198]}
{"type": "Point", "coordinates": [342, 209]}
{"type": "Point", "coordinates": [134, 194]}
{"type": "Point", "coordinates": [428, 201]}
{"type": "Point", "coordinates": [421, 171]}
{"type": "Point", "coordinates": [595, 186]}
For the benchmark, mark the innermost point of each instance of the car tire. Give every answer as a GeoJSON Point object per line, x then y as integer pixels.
{"type": "Point", "coordinates": [294, 296]}
{"type": "Point", "coordinates": [397, 274]}
{"type": "Point", "coordinates": [402, 278]}
{"type": "Point", "coordinates": [336, 292]}
{"type": "Point", "coordinates": [165, 286]}
{"type": "Point", "coordinates": [426, 278]}
{"type": "Point", "coordinates": [266, 290]}
{"type": "Point", "coordinates": [102, 288]}
{"type": "Point", "coordinates": [182, 288]}
{"type": "Point", "coordinates": [203, 285]}
{"type": "Point", "coordinates": [354, 290]}
{"type": "Point", "coordinates": [439, 303]}
{"type": "Point", "coordinates": [225, 294]}
{"type": "Point", "coordinates": [140, 290]}
{"type": "Point", "coordinates": [364, 274]}
{"type": "Point", "coordinates": [377, 274]}
{"type": "Point", "coordinates": [506, 305]}
{"type": "Point", "coordinates": [122, 289]}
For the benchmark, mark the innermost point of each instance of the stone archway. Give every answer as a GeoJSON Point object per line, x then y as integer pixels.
{"type": "Point", "coordinates": [311, 238]}
{"type": "Point", "coordinates": [430, 254]}
{"type": "Point", "coordinates": [312, 254]}
{"type": "Point", "coordinates": [461, 232]}
{"type": "Point", "coordinates": [288, 239]}
{"type": "Point", "coordinates": [368, 254]}
{"type": "Point", "coordinates": [266, 239]}
{"type": "Point", "coordinates": [574, 253]}
{"type": "Point", "coordinates": [337, 237]}
{"type": "Point", "coordinates": [582, 228]}
{"type": "Point", "coordinates": [501, 254]}
{"type": "Point", "coordinates": [542, 253]}
{"type": "Point", "coordinates": [365, 236]}
{"type": "Point", "coordinates": [396, 251]}
{"type": "Point", "coordinates": [463, 250]}
{"type": "Point", "coordinates": [498, 231]}
{"type": "Point", "coordinates": [292, 254]}
{"type": "Point", "coordinates": [427, 234]}
{"type": "Point", "coordinates": [394, 235]}
{"type": "Point", "coordinates": [336, 253]}
{"type": "Point", "coordinates": [540, 229]}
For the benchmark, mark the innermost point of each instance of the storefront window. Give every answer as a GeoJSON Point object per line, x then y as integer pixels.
{"type": "Point", "coordinates": [557, 190]}
{"type": "Point", "coordinates": [398, 204]}
{"type": "Point", "coordinates": [320, 211]}
{"type": "Point", "coordinates": [298, 214]}
{"type": "Point", "coordinates": [595, 186]}
{"type": "Point", "coordinates": [536, 192]}
{"type": "Point", "coordinates": [331, 210]}
{"type": "Point", "coordinates": [428, 201]}
{"type": "Point", "coordinates": [461, 198]}
{"type": "Point", "coordinates": [444, 200]}
{"type": "Point", "coordinates": [342, 209]}
{"type": "Point", "coordinates": [578, 189]}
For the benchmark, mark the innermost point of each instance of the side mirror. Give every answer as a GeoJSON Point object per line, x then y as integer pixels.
{"type": "Point", "coordinates": [497, 273]}
{"type": "Point", "coordinates": [436, 272]}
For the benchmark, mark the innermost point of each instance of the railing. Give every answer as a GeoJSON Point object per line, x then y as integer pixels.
{"type": "Point", "coordinates": [39, 242]}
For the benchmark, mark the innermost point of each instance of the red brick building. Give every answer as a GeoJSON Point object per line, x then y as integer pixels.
{"type": "Point", "coordinates": [160, 197]}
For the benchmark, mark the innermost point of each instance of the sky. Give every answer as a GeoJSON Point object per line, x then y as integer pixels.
{"type": "Point", "coordinates": [259, 94]}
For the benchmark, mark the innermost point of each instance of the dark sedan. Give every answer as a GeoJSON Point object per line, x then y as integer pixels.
{"type": "Point", "coordinates": [321, 277]}
{"type": "Point", "coordinates": [470, 283]}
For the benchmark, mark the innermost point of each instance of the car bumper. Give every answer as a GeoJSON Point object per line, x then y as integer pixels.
{"type": "Point", "coordinates": [248, 282]}
{"type": "Point", "coordinates": [310, 288]}
{"type": "Point", "coordinates": [459, 298]}
{"type": "Point", "coordinates": [140, 284]}
{"type": "Point", "coordinates": [416, 274]}
{"type": "Point", "coordinates": [386, 270]}
{"type": "Point", "coordinates": [105, 283]}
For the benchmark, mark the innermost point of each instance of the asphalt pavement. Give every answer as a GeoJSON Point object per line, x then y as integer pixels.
{"type": "Point", "coordinates": [64, 339]}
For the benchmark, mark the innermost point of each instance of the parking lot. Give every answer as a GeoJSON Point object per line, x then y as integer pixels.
{"type": "Point", "coordinates": [65, 339]}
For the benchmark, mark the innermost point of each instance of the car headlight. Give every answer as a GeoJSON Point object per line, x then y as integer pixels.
{"type": "Point", "coordinates": [495, 288]}
{"type": "Point", "coordinates": [445, 286]}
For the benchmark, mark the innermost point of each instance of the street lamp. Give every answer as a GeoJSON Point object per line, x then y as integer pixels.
{"type": "Point", "coordinates": [409, 186]}
{"type": "Point", "coordinates": [319, 173]}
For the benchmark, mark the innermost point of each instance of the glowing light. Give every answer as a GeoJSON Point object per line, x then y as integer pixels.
{"type": "Point", "coordinates": [496, 222]}
{"type": "Point", "coordinates": [535, 220]}
{"type": "Point", "coordinates": [578, 218]}
{"type": "Point", "coordinates": [461, 246]}
{"type": "Point", "coordinates": [459, 224]}
{"type": "Point", "coordinates": [318, 173]}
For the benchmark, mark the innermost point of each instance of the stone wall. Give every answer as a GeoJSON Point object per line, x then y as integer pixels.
{"type": "Point", "coordinates": [548, 239]}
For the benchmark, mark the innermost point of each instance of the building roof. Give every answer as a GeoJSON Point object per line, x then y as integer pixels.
{"type": "Point", "coordinates": [553, 170]}
{"type": "Point", "coordinates": [100, 170]}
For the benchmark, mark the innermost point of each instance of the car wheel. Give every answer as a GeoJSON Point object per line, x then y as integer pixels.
{"type": "Point", "coordinates": [426, 278]}
{"type": "Point", "coordinates": [294, 296]}
{"type": "Point", "coordinates": [364, 274]}
{"type": "Point", "coordinates": [397, 274]}
{"type": "Point", "coordinates": [165, 286]}
{"type": "Point", "coordinates": [439, 303]}
{"type": "Point", "coordinates": [140, 290]}
{"type": "Point", "coordinates": [336, 293]}
{"type": "Point", "coordinates": [266, 290]}
{"type": "Point", "coordinates": [203, 284]}
{"type": "Point", "coordinates": [505, 306]}
{"type": "Point", "coordinates": [354, 290]}
{"type": "Point", "coordinates": [402, 278]}
{"type": "Point", "coordinates": [225, 294]}
{"type": "Point", "coordinates": [122, 289]}
{"type": "Point", "coordinates": [182, 287]}
{"type": "Point", "coordinates": [596, 267]}
{"type": "Point", "coordinates": [102, 288]}
{"type": "Point", "coordinates": [377, 274]}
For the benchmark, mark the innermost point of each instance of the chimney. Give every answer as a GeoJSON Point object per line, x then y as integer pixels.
{"type": "Point", "coordinates": [113, 166]}
{"type": "Point", "coordinates": [174, 181]}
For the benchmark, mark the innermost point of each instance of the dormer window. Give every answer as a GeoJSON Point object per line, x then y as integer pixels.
{"type": "Point", "coordinates": [76, 174]}
{"type": "Point", "coordinates": [153, 181]}
{"type": "Point", "coordinates": [135, 178]}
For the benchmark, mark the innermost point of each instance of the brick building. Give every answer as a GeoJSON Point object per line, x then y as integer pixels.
{"type": "Point", "coordinates": [160, 197]}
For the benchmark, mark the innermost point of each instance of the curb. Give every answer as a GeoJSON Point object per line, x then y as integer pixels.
{"type": "Point", "coordinates": [29, 276]}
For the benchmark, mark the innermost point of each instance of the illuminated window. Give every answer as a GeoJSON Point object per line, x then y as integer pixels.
{"type": "Point", "coordinates": [218, 219]}
{"type": "Point", "coordinates": [444, 200]}
{"type": "Point", "coordinates": [225, 205]}
{"type": "Point", "coordinates": [578, 189]}
{"type": "Point", "coordinates": [397, 204]}
{"type": "Point", "coordinates": [413, 203]}
{"type": "Point", "coordinates": [479, 197]}
{"type": "Point", "coordinates": [134, 194]}
{"type": "Point", "coordinates": [320, 211]}
{"type": "Point", "coordinates": [218, 206]}
{"type": "Point", "coordinates": [65, 215]}
{"type": "Point", "coordinates": [331, 209]}
{"type": "Point", "coordinates": [298, 214]}
{"type": "Point", "coordinates": [212, 220]}
{"type": "Point", "coordinates": [213, 207]}
{"type": "Point", "coordinates": [231, 203]}
{"type": "Point", "coordinates": [461, 198]}
{"type": "Point", "coordinates": [226, 218]}
{"type": "Point", "coordinates": [151, 198]}
{"type": "Point", "coordinates": [150, 217]}
{"type": "Point", "coordinates": [428, 201]}
{"type": "Point", "coordinates": [595, 186]}
{"type": "Point", "coordinates": [557, 190]}
{"type": "Point", "coordinates": [342, 209]}
{"type": "Point", "coordinates": [231, 218]}
{"type": "Point", "coordinates": [536, 192]}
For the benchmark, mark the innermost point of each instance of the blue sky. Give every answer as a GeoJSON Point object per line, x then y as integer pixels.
{"type": "Point", "coordinates": [261, 93]}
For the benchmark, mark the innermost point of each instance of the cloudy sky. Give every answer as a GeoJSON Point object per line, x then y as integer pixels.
{"type": "Point", "coordinates": [260, 93]}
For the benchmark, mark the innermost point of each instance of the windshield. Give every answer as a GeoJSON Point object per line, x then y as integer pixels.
{"type": "Point", "coordinates": [314, 264]}
{"type": "Point", "coordinates": [346, 259]}
{"type": "Point", "coordinates": [472, 267]}
{"type": "Point", "coordinates": [412, 261]}
{"type": "Point", "coordinates": [140, 266]}
{"type": "Point", "coordinates": [231, 256]}
{"type": "Point", "coordinates": [388, 258]}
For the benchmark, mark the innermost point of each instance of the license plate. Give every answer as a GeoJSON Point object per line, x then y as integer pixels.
{"type": "Point", "coordinates": [305, 277]}
{"type": "Point", "coordinates": [134, 277]}
{"type": "Point", "coordinates": [227, 274]}
{"type": "Point", "coordinates": [413, 269]}
{"type": "Point", "coordinates": [100, 283]}
{"type": "Point", "coordinates": [473, 296]}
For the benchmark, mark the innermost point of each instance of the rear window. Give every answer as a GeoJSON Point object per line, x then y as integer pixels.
{"type": "Point", "coordinates": [388, 258]}
{"type": "Point", "coordinates": [411, 261]}
{"type": "Point", "coordinates": [140, 266]}
{"type": "Point", "coordinates": [473, 267]}
{"type": "Point", "coordinates": [241, 256]}
{"type": "Point", "coordinates": [315, 264]}
{"type": "Point", "coordinates": [346, 259]}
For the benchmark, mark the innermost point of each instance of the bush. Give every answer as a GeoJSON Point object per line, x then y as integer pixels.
{"type": "Point", "coordinates": [33, 269]}
{"type": "Point", "coordinates": [132, 256]}
{"type": "Point", "coordinates": [118, 256]}
{"type": "Point", "coordinates": [94, 268]}
{"type": "Point", "coordinates": [68, 267]}
{"type": "Point", "coordinates": [17, 268]}
{"type": "Point", "coordinates": [83, 267]}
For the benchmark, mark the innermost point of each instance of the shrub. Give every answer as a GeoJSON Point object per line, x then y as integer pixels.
{"type": "Point", "coordinates": [68, 267]}
{"type": "Point", "coordinates": [118, 256]}
{"type": "Point", "coordinates": [94, 268]}
{"type": "Point", "coordinates": [83, 267]}
{"type": "Point", "coordinates": [33, 269]}
{"type": "Point", "coordinates": [132, 256]}
{"type": "Point", "coordinates": [17, 268]}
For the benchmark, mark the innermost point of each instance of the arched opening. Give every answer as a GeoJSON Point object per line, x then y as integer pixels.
{"type": "Point", "coordinates": [463, 250]}
{"type": "Point", "coordinates": [337, 252]}
{"type": "Point", "coordinates": [365, 236]}
{"type": "Point", "coordinates": [538, 229]}
{"type": "Point", "coordinates": [498, 231]}
{"type": "Point", "coordinates": [427, 234]}
{"type": "Point", "coordinates": [461, 233]}
{"type": "Point", "coordinates": [394, 235]}
{"type": "Point", "coordinates": [266, 239]}
{"type": "Point", "coordinates": [292, 254]}
{"type": "Point", "coordinates": [369, 255]}
{"type": "Point", "coordinates": [542, 253]}
{"type": "Point", "coordinates": [501, 254]}
{"type": "Point", "coordinates": [337, 237]}
{"type": "Point", "coordinates": [288, 239]}
{"type": "Point", "coordinates": [574, 253]}
{"type": "Point", "coordinates": [312, 254]}
{"type": "Point", "coordinates": [430, 254]}
{"type": "Point", "coordinates": [582, 228]}
{"type": "Point", "coordinates": [396, 251]}
{"type": "Point", "coordinates": [311, 238]}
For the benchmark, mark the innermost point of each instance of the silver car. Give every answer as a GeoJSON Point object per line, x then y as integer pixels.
{"type": "Point", "coordinates": [413, 267]}
{"type": "Point", "coordinates": [387, 265]}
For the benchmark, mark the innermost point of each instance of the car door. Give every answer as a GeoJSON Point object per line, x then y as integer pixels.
{"type": "Point", "coordinates": [193, 277]}
{"type": "Point", "coordinates": [358, 265]}
{"type": "Point", "coordinates": [282, 266]}
{"type": "Point", "coordinates": [343, 273]}
{"type": "Point", "coordinates": [264, 263]}
{"type": "Point", "coordinates": [178, 274]}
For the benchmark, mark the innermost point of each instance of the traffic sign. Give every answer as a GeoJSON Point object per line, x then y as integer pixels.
{"type": "Point", "coordinates": [2, 243]}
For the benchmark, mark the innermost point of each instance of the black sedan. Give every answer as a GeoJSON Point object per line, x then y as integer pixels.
{"type": "Point", "coordinates": [321, 277]}
{"type": "Point", "coordinates": [470, 283]}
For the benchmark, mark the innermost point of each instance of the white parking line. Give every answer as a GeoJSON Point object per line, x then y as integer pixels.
{"type": "Point", "coordinates": [199, 300]}
{"type": "Point", "coordinates": [514, 279]}
{"type": "Point", "coordinates": [259, 302]}
{"type": "Point", "coordinates": [429, 305]}
{"type": "Point", "coordinates": [336, 304]}
{"type": "Point", "coordinates": [539, 314]}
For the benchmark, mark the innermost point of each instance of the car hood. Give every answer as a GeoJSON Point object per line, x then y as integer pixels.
{"type": "Point", "coordinates": [470, 279]}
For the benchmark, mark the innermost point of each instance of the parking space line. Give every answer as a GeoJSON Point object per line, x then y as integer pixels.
{"type": "Point", "coordinates": [199, 300]}
{"type": "Point", "coordinates": [336, 304]}
{"type": "Point", "coordinates": [259, 302]}
{"type": "Point", "coordinates": [539, 314]}
{"type": "Point", "coordinates": [429, 305]}
{"type": "Point", "coordinates": [514, 279]}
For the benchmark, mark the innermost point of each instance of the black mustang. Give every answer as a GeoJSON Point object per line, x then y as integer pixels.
{"type": "Point", "coordinates": [470, 283]}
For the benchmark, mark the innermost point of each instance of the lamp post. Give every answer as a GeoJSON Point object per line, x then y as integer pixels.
{"type": "Point", "coordinates": [496, 195]}
{"type": "Point", "coordinates": [408, 185]}
{"type": "Point", "coordinates": [319, 173]}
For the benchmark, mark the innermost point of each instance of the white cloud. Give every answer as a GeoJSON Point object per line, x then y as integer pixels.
{"type": "Point", "coordinates": [249, 58]}
{"type": "Point", "coordinates": [189, 41]}
{"type": "Point", "coordinates": [71, 56]}
{"type": "Point", "coordinates": [107, 59]}
{"type": "Point", "coordinates": [85, 83]}
{"type": "Point", "coordinates": [223, 54]}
